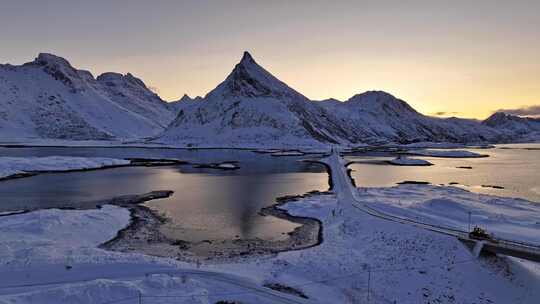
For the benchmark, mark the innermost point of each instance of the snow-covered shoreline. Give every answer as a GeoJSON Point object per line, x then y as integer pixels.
{"type": "Point", "coordinates": [407, 264]}
{"type": "Point", "coordinates": [447, 153]}
{"type": "Point", "coordinates": [17, 166]}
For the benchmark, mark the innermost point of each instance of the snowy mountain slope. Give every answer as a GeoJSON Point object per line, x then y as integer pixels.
{"type": "Point", "coordinates": [253, 107]}
{"type": "Point", "coordinates": [49, 98]}
{"type": "Point", "coordinates": [176, 106]}
{"type": "Point", "coordinates": [131, 93]}
{"type": "Point", "coordinates": [515, 126]}
{"type": "Point", "coordinates": [379, 115]}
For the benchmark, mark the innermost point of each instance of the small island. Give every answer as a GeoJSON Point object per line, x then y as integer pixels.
{"type": "Point", "coordinates": [403, 160]}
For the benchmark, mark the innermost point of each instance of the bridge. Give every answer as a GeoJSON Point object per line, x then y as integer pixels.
{"type": "Point", "coordinates": [348, 199]}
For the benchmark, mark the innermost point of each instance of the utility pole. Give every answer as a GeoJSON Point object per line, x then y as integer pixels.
{"type": "Point", "coordinates": [140, 297]}
{"type": "Point", "coordinates": [368, 284]}
{"type": "Point", "coordinates": [469, 221]}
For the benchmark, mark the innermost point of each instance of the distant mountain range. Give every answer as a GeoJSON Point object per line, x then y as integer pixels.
{"type": "Point", "coordinates": [523, 128]}
{"type": "Point", "coordinates": [48, 98]}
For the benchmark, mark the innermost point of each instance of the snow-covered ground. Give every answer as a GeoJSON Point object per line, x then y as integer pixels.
{"type": "Point", "coordinates": [445, 145]}
{"type": "Point", "coordinates": [228, 166]}
{"type": "Point", "coordinates": [51, 256]}
{"type": "Point", "coordinates": [509, 218]}
{"type": "Point", "coordinates": [288, 153]}
{"type": "Point", "coordinates": [407, 161]}
{"type": "Point", "coordinates": [447, 153]}
{"type": "Point", "coordinates": [401, 264]}
{"type": "Point", "coordinates": [17, 165]}
{"type": "Point", "coordinates": [60, 247]}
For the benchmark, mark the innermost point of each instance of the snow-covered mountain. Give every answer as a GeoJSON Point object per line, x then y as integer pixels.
{"type": "Point", "coordinates": [49, 98]}
{"type": "Point", "coordinates": [179, 104]}
{"type": "Point", "coordinates": [376, 115]}
{"type": "Point", "coordinates": [131, 93]}
{"type": "Point", "coordinates": [252, 107]}
{"type": "Point", "coordinates": [514, 126]}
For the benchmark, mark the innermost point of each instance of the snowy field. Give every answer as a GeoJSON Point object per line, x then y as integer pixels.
{"type": "Point", "coordinates": [18, 165]}
{"type": "Point", "coordinates": [397, 262]}
{"type": "Point", "coordinates": [509, 218]}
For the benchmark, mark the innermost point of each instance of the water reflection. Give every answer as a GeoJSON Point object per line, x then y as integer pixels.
{"type": "Point", "coordinates": [517, 170]}
{"type": "Point", "coordinates": [207, 203]}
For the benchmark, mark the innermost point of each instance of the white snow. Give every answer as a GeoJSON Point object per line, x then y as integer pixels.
{"type": "Point", "coordinates": [16, 165]}
{"type": "Point", "coordinates": [268, 150]}
{"type": "Point", "coordinates": [524, 128]}
{"type": "Point", "coordinates": [445, 145]}
{"type": "Point", "coordinates": [251, 108]}
{"type": "Point", "coordinates": [49, 98]}
{"type": "Point", "coordinates": [407, 161]}
{"type": "Point", "coordinates": [446, 153]}
{"type": "Point", "coordinates": [406, 264]}
{"type": "Point", "coordinates": [228, 166]}
{"type": "Point", "coordinates": [288, 153]}
{"type": "Point", "coordinates": [509, 218]}
{"type": "Point", "coordinates": [50, 257]}
{"type": "Point", "coordinates": [46, 231]}
{"type": "Point", "coordinates": [377, 116]}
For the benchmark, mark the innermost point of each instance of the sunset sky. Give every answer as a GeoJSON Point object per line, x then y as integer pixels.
{"type": "Point", "coordinates": [454, 58]}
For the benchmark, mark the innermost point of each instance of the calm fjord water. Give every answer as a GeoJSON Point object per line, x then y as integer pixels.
{"type": "Point", "coordinates": [216, 204]}
{"type": "Point", "coordinates": [206, 204]}
{"type": "Point", "coordinates": [514, 167]}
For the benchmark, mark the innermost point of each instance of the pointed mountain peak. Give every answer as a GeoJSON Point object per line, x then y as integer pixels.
{"type": "Point", "coordinates": [185, 98]}
{"type": "Point", "coordinates": [247, 59]}
{"type": "Point", "coordinates": [249, 79]}
{"type": "Point", "coordinates": [135, 80]}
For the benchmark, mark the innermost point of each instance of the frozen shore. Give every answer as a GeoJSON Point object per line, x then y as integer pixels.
{"type": "Point", "coordinates": [143, 235]}
{"type": "Point", "coordinates": [447, 153]}
{"type": "Point", "coordinates": [21, 166]}
{"type": "Point", "coordinates": [400, 262]}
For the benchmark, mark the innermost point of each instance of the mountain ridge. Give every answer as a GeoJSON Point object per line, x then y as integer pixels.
{"type": "Point", "coordinates": [251, 105]}
{"type": "Point", "coordinates": [50, 98]}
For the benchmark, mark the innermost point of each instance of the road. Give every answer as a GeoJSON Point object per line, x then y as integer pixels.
{"type": "Point", "coordinates": [35, 279]}
{"type": "Point", "coordinates": [348, 198]}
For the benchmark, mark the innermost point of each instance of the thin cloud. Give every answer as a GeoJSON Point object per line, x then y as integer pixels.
{"type": "Point", "coordinates": [443, 113]}
{"type": "Point", "coordinates": [523, 111]}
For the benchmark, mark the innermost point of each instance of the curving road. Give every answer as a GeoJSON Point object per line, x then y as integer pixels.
{"type": "Point", "coordinates": [348, 199]}
{"type": "Point", "coordinates": [9, 284]}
